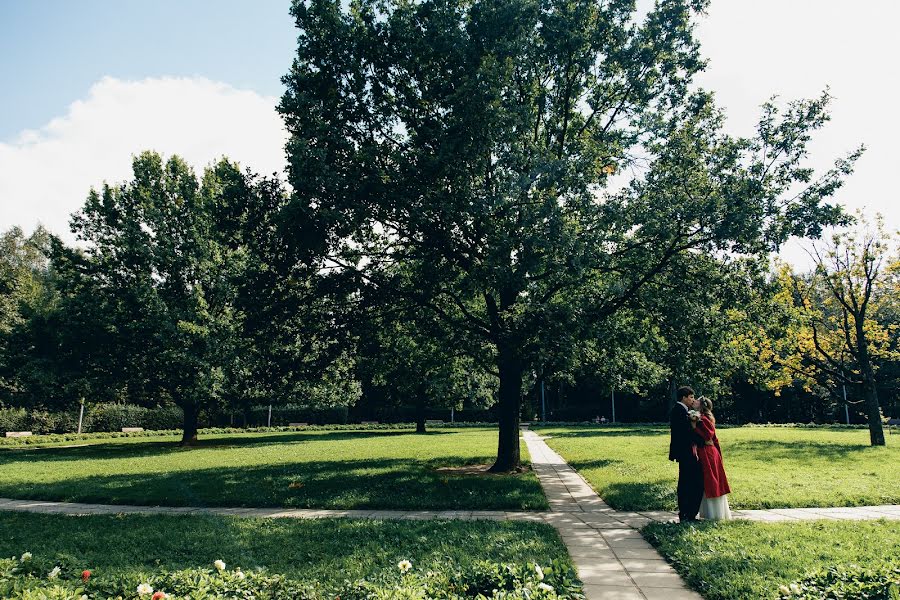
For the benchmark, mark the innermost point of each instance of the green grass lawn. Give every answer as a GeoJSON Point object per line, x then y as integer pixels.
{"type": "Point", "coordinates": [320, 469]}
{"type": "Point", "coordinates": [742, 560]}
{"type": "Point", "coordinates": [767, 467]}
{"type": "Point", "coordinates": [327, 551]}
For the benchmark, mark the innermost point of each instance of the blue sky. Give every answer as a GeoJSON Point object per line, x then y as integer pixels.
{"type": "Point", "coordinates": [54, 50]}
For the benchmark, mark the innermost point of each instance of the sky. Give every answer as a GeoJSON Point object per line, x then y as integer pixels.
{"type": "Point", "coordinates": [85, 85]}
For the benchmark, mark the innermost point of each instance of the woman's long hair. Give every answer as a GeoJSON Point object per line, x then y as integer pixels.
{"type": "Point", "coordinates": [706, 408]}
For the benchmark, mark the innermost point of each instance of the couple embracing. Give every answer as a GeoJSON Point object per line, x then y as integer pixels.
{"type": "Point", "coordinates": [702, 484]}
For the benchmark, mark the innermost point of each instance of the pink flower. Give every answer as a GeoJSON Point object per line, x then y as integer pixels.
{"type": "Point", "coordinates": [85, 575]}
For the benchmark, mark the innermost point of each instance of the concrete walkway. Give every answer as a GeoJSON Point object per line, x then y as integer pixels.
{"type": "Point", "coordinates": [612, 558]}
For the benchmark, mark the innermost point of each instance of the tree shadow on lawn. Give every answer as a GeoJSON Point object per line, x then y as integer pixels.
{"type": "Point", "coordinates": [777, 449]}
{"type": "Point", "coordinates": [313, 549]}
{"type": "Point", "coordinates": [370, 484]}
{"type": "Point", "coordinates": [113, 449]}
{"type": "Point", "coordinates": [645, 495]}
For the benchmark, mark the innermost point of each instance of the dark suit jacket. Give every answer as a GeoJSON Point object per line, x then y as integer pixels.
{"type": "Point", "coordinates": [684, 438]}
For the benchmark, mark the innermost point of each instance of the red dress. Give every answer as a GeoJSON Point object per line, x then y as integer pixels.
{"type": "Point", "coordinates": [715, 483]}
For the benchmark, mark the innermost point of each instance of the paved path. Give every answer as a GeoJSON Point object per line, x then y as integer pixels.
{"type": "Point", "coordinates": [614, 562]}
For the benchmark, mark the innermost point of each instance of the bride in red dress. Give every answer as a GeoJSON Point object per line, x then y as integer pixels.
{"type": "Point", "coordinates": [715, 483]}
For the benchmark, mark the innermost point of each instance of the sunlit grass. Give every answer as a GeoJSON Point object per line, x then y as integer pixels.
{"type": "Point", "coordinates": [327, 551]}
{"type": "Point", "coordinates": [742, 560]}
{"type": "Point", "coordinates": [766, 467]}
{"type": "Point", "coordinates": [317, 469]}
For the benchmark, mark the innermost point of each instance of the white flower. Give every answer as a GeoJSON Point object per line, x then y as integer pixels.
{"type": "Point", "coordinates": [404, 566]}
{"type": "Point", "coordinates": [545, 587]}
{"type": "Point", "coordinates": [220, 565]}
{"type": "Point", "coordinates": [83, 597]}
{"type": "Point", "coordinates": [54, 573]}
{"type": "Point", "coordinates": [144, 589]}
{"type": "Point", "coordinates": [795, 588]}
{"type": "Point", "coordinates": [240, 574]}
{"type": "Point", "coordinates": [539, 571]}
{"type": "Point", "coordinates": [26, 556]}
{"type": "Point", "coordinates": [784, 590]}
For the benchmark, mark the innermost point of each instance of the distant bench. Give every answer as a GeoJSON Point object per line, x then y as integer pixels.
{"type": "Point", "coordinates": [369, 423]}
{"type": "Point", "coordinates": [132, 429]}
{"type": "Point", "coordinates": [434, 422]}
{"type": "Point", "coordinates": [18, 433]}
{"type": "Point", "coordinates": [297, 424]}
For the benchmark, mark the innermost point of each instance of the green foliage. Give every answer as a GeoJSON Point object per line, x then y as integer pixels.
{"type": "Point", "coordinates": [49, 439]}
{"type": "Point", "coordinates": [14, 419]}
{"type": "Point", "coordinates": [25, 581]}
{"type": "Point", "coordinates": [849, 582]}
{"type": "Point", "coordinates": [29, 367]}
{"type": "Point", "coordinates": [326, 555]}
{"type": "Point", "coordinates": [742, 560]}
{"type": "Point", "coordinates": [474, 143]}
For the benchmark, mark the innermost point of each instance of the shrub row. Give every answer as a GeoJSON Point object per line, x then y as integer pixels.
{"type": "Point", "coordinates": [97, 417]}
{"type": "Point", "coordinates": [74, 437]}
{"type": "Point", "coordinates": [26, 578]}
{"type": "Point", "coordinates": [874, 582]}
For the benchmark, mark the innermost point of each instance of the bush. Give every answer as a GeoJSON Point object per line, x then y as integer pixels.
{"type": "Point", "coordinates": [13, 419]}
{"type": "Point", "coordinates": [29, 577]}
{"type": "Point", "coordinates": [880, 582]}
{"type": "Point", "coordinates": [69, 437]}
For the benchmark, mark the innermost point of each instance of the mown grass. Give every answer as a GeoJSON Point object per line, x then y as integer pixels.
{"type": "Point", "coordinates": [766, 467]}
{"type": "Point", "coordinates": [327, 551]}
{"type": "Point", "coordinates": [743, 560]}
{"type": "Point", "coordinates": [318, 469]}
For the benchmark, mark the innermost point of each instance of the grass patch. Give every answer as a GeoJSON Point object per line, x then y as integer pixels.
{"type": "Point", "coordinates": [742, 560]}
{"type": "Point", "coordinates": [316, 469]}
{"type": "Point", "coordinates": [327, 551]}
{"type": "Point", "coordinates": [767, 467]}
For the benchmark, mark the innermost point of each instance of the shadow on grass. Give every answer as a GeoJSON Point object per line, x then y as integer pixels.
{"type": "Point", "coordinates": [131, 449]}
{"type": "Point", "coordinates": [776, 449]}
{"type": "Point", "coordinates": [649, 495]}
{"type": "Point", "coordinates": [377, 483]}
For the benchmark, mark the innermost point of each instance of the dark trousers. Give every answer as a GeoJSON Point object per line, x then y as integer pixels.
{"type": "Point", "coordinates": [690, 489]}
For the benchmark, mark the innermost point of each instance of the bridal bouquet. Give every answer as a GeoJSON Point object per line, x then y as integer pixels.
{"type": "Point", "coordinates": [694, 415]}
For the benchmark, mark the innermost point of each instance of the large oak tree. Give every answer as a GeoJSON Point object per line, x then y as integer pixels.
{"type": "Point", "coordinates": [538, 161]}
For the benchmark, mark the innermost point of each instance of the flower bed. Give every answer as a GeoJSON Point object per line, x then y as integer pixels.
{"type": "Point", "coordinates": [31, 578]}
{"type": "Point", "coordinates": [874, 582]}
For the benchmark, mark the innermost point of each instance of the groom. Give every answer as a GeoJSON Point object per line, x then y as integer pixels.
{"type": "Point", "coordinates": [683, 448]}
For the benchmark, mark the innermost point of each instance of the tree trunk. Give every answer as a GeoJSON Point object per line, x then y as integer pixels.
{"type": "Point", "coordinates": [870, 393]}
{"type": "Point", "coordinates": [510, 369]}
{"type": "Point", "coordinates": [870, 387]}
{"type": "Point", "coordinates": [191, 417]}
{"type": "Point", "coordinates": [420, 415]}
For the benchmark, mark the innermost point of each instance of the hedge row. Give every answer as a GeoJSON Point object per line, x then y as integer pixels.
{"type": "Point", "coordinates": [97, 417]}
{"type": "Point", "coordinates": [75, 437]}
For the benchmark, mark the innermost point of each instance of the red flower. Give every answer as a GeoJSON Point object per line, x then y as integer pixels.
{"type": "Point", "coordinates": [159, 596]}
{"type": "Point", "coordinates": [85, 575]}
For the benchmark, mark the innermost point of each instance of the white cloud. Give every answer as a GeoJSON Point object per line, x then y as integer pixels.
{"type": "Point", "coordinates": [796, 49]}
{"type": "Point", "coordinates": [45, 174]}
